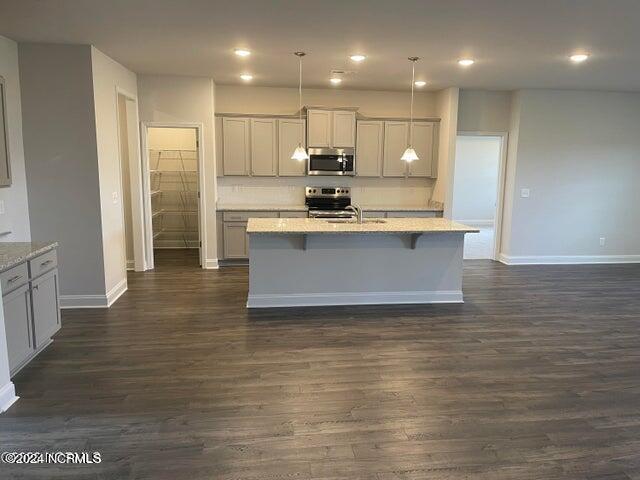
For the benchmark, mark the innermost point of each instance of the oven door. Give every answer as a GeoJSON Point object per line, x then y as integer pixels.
{"type": "Point", "coordinates": [330, 161]}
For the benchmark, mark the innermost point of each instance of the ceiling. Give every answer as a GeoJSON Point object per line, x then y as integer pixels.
{"type": "Point", "coordinates": [516, 43]}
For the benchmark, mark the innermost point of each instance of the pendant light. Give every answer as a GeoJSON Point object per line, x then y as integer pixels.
{"type": "Point", "coordinates": [410, 154]}
{"type": "Point", "coordinates": [300, 153]}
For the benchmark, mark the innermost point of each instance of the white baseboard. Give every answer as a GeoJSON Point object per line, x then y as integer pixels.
{"type": "Point", "coordinates": [211, 264]}
{"type": "Point", "coordinates": [7, 396]}
{"type": "Point", "coordinates": [566, 259]}
{"type": "Point", "coordinates": [94, 301]}
{"type": "Point", "coordinates": [351, 298]}
{"type": "Point", "coordinates": [477, 223]}
{"type": "Point", "coordinates": [116, 292]}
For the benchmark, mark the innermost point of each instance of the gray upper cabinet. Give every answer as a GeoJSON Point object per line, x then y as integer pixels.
{"type": "Point", "coordinates": [290, 134]}
{"type": "Point", "coordinates": [5, 161]}
{"type": "Point", "coordinates": [264, 153]}
{"type": "Point", "coordinates": [236, 146]}
{"type": "Point", "coordinates": [369, 148]}
{"type": "Point", "coordinates": [423, 143]}
{"type": "Point", "coordinates": [396, 136]}
{"type": "Point", "coordinates": [331, 128]}
{"type": "Point", "coordinates": [319, 128]}
{"type": "Point", "coordinates": [344, 129]}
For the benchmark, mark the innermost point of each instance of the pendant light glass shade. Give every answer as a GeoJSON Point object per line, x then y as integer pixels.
{"type": "Point", "coordinates": [300, 153]}
{"type": "Point", "coordinates": [410, 154]}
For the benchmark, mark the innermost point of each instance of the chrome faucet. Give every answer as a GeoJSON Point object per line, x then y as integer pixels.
{"type": "Point", "coordinates": [357, 210]}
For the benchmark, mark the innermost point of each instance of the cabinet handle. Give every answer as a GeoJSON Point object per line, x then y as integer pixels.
{"type": "Point", "coordinates": [44, 264]}
{"type": "Point", "coordinates": [35, 287]}
{"type": "Point", "coordinates": [14, 279]}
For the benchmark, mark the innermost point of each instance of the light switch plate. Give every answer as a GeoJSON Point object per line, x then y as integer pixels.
{"type": "Point", "coordinates": [524, 193]}
{"type": "Point", "coordinates": [1, 207]}
{"type": "Point", "coordinates": [114, 195]}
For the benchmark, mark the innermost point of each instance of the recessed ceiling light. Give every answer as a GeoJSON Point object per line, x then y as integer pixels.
{"type": "Point", "coordinates": [357, 58]}
{"type": "Point", "coordinates": [246, 77]}
{"type": "Point", "coordinates": [242, 52]}
{"type": "Point", "coordinates": [579, 57]}
{"type": "Point", "coordinates": [335, 80]}
{"type": "Point", "coordinates": [420, 83]}
{"type": "Point", "coordinates": [465, 62]}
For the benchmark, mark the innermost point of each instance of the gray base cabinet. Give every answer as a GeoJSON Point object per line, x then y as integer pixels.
{"type": "Point", "coordinates": [31, 307]}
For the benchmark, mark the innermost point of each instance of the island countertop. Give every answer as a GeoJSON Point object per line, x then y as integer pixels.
{"type": "Point", "coordinates": [13, 253]}
{"type": "Point", "coordinates": [299, 226]}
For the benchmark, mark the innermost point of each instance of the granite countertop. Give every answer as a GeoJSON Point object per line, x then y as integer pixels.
{"type": "Point", "coordinates": [322, 226]}
{"type": "Point", "coordinates": [303, 208]}
{"type": "Point", "coordinates": [14, 253]}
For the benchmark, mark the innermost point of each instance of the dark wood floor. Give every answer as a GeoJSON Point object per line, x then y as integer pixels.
{"type": "Point", "coordinates": [536, 376]}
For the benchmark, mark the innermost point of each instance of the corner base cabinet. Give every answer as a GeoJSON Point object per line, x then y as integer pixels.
{"type": "Point", "coordinates": [31, 308]}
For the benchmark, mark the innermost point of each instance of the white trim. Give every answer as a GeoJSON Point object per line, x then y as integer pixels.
{"type": "Point", "coordinates": [131, 264]}
{"type": "Point", "coordinates": [352, 298]}
{"type": "Point", "coordinates": [566, 259]}
{"type": "Point", "coordinates": [211, 264]}
{"type": "Point", "coordinates": [202, 204]}
{"type": "Point", "coordinates": [94, 301]}
{"type": "Point", "coordinates": [7, 396]}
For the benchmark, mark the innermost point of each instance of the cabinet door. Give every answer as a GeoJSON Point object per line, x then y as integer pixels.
{"type": "Point", "coordinates": [46, 312]}
{"type": "Point", "coordinates": [395, 143]}
{"type": "Point", "coordinates": [263, 147]}
{"type": "Point", "coordinates": [369, 149]}
{"type": "Point", "coordinates": [236, 244]}
{"type": "Point", "coordinates": [319, 128]}
{"type": "Point", "coordinates": [290, 134]}
{"type": "Point", "coordinates": [235, 146]}
{"type": "Point", "coordinates": [423, 145]}
{"type": "Point", "coordinates": [219, 148]}
{"type": "Point", "coordinates": [344, 129]}
{"type": "Point", "coordinates": [17, 324]}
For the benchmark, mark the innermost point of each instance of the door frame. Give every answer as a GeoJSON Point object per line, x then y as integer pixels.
{"type": "Point", "coordinates": [502, 168]}
{"type": "Point", "coordinates": [146, 187]}
{"type": "Point", "coordinates": [136, 192]}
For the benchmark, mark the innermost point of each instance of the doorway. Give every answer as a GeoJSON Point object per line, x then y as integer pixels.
{"type": "Point", "coordinates": [173, 195]}
{"type": "Point", "coordinates": [477, 191]}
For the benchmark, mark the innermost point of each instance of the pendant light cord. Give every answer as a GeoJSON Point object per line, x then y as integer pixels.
{"type": "Point", "coordinates": [300, 90]}
{"type": "Point", "coordinates": [413, 77]}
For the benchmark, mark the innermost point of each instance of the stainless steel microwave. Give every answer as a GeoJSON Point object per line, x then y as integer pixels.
{"type": "Point", "coordinates": [331, 161]}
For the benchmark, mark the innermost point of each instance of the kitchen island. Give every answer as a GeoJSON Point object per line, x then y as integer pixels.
{"type": "Point", "coordinates": [313, 262]}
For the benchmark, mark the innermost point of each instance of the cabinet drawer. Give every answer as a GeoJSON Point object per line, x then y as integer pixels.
{"type": "Point", "coordinates": [14, 278]}
{"type": "Point", "coordinates": [43, 263]}
{"type": "Point", "coordinates": [293, 214]}
{"type": "Point", "coordinates": [244, 216]}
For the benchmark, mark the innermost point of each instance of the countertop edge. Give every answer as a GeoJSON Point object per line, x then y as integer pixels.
{"type": "Point", "coordinates": [18, 259]}
{"type": "Point", "coordinates": [303, 208]}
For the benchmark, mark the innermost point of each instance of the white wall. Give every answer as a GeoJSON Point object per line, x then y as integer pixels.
{"type": "Point", "coordinates": [189, 100]}
{"type": "Point", "coordinates": [171, 139]}
{"type": "Point", "coordinates": [284, 101]}
{"type": "Point", "coordinates": [475, 183]}
{"type": "Point", "coordinates": [16, 216]}
{"type": "Point", "coordinates": [109, 75]}
{"type": "Point", "coordinates": [447, 105]}
{"type": "Point", "coordinates": [579, 154]}
{"type": "Point", "coordinates": [124, 130]}
{"type": "Point", "coordinates": [484, 111]}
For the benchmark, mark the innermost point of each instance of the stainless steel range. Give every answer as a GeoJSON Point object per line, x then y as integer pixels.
{"type": "Point", "coordinates": [328, 202]}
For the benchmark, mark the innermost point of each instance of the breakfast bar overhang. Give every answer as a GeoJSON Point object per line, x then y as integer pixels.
{"type": "Point", "coordinates": [316, 262]}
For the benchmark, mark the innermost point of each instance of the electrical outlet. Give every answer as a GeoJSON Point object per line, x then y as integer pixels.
{"type": "Point", "coordinates": [602, 241]}
{"type": "Point", "coordinates": [524, 193]}
{"type": "Point", "coordinates": [114, 195]}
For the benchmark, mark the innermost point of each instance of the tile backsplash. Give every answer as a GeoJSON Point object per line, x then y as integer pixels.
{"type": "Point", "coordinates": [290, 191]}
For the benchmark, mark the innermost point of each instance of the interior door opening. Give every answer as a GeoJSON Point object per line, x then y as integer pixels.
{"type": "Point", "coordinates": [173, 190]}
{"type": "Point", "coordinates": [477, 192]}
